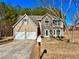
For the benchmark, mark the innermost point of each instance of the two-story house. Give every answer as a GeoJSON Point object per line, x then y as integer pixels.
{"type": "Point", "coordinates": [52, 26]}
{"type": "Point", "coordinates": [26, 26]}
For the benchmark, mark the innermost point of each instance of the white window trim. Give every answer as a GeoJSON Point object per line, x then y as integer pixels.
{"type": "Point", "coordinates": [61, 32]}
{"type": "Point", "coordinates": [57, 23]}
{"type": "Point", "coordinates": [45, 33]}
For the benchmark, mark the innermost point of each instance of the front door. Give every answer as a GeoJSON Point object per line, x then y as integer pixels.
{"type": "Point", "coordinates": [46, 33]}
{"type": "Point", "coordinates": [58, 32]}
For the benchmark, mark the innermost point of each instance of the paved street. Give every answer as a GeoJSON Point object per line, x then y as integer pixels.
{"type": "Point", "coordinates": [16, 50]}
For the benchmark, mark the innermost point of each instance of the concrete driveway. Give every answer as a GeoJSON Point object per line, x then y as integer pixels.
{"type": "Point", "coordinates": [16, 50]}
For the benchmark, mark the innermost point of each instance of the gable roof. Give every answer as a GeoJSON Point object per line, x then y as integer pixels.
{"type": "Point", "coordinates": [19, 19]}
{"type": "Point", "coordinates": [34, 18]}
{"type": "Point", "coordinates": [49, 15]}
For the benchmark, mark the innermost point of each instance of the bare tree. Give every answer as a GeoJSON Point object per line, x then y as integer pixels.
{"type": "Point", "coordinates": [74, 20]}
{"type": "Point", "coordinates": [49, 7]}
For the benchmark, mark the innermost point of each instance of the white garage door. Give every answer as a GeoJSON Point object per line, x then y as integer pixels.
{"type": "Point", "coordinates": [23, 35]}
{"type": "Point", "coordinates": [31, 35]}
{"type": "Point", "coordinates": [19, 35]}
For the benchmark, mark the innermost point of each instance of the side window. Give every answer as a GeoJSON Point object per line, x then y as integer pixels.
{"type": "Point", "coordinates": [46, 32]}
{"type": "Point", "coordinates": [51, 31]}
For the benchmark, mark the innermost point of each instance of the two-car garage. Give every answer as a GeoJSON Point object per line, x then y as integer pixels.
{"type": "Point", "coordinates": [25, 35]}
{"type": "Point", "coordinates": [24, 28]}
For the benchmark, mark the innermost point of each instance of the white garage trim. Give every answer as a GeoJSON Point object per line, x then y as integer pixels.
{"type": "Point", "coordinates": [25, 35]}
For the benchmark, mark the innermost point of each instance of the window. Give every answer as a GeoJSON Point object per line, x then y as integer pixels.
{"type": "Point", "coordinates": [25, 21]}
{"type": "Point", "coordinates": [57, 22]}
{"type": "Point", "coordinates": [46, 32]}
{"type": "Point", "coordinates": [58, 32]}
{"type": "Point", "coordinates": [54, 32]}
{"type": "Point", "coordinates": [46, 21]}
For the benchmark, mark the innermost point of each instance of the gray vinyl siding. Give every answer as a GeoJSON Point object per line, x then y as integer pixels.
{"type": "Point", "coordinates": [50, 26]}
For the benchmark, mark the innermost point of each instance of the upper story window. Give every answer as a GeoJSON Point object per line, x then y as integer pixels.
{"type": "Point", "coordinates": [57, 22]}
{"type": "Point", "coordinates": [46, 21]}
{"type": "Point", "coordinates": [25, 21]}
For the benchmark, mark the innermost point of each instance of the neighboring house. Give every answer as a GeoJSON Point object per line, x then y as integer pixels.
{"type": "Point", "coordinates": [26, 26]}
